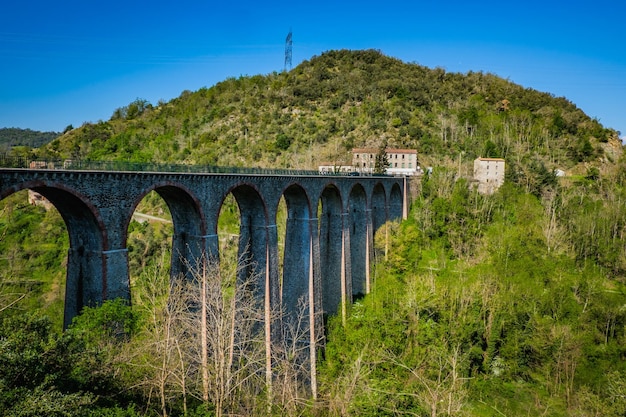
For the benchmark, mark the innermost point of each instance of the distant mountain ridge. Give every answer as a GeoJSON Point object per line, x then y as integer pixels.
{"type": "Point", "coordinates": [12, 136]}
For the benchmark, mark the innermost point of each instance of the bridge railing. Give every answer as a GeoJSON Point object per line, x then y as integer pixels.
{"type": "Point", "coordinates": [12, 161]}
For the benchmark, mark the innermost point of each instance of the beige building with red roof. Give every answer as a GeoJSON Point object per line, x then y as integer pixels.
{"type": "Point", "coordinates": [401, 161]}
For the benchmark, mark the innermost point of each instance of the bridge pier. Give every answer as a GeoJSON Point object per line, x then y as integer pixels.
{"type": "Point", "coordinates": [346, 265]}
{"type": "Point", "coordinates": [189, 252]}
{"type": "Point", "coordinates": [358, 243]}
{"type": "Point", "coordinates": [316, 325]}
{"type": "Point", "coordinates": [92, 278]}
{"type": "Point", "coordinates": [369, 249]}
{"type": "Point", "coordinates": [296, 268]}
{"type": "Point", "coordinates": [331, 243]}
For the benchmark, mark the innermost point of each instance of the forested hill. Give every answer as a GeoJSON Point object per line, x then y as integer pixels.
{"type": "Point", "coordinates": [11, 136]}
{"type": "Point", "coordinates": [342, 99]}
{"type": "Point", "coordinates": [510, 304]}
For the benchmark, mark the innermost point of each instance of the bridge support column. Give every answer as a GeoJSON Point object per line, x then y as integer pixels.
{"type": "Point", "coordinates": [271, 301]}
{"type": "Point", "coordinates": [316, 327]}
{"type": "Point", "coordinates": [94, 277]}
{"type": "Point", "coordinates": [296, 268]}
{"type": "Point", "coordinates": [369, 249]}
{"type": "Point", "coordinates": [346, 266]}
{"type": "Point", "coordinates": [332, 261]}
{"type": "Point", "coordinates": [117, 277]}
{"type": "Point", "coordinates": [358, 251]}
{"type": "Point", "coordinates": [299, 290]}
{"type": "Point", "coordinates": [405, 199]}
{"type": "Point", "coordinates": [195, 252]}
{"type": "Point", "coordinates": [189, 251]}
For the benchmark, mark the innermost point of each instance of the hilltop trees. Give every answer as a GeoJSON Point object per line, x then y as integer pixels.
{"type": "Point", "coordinates": [342, 99]}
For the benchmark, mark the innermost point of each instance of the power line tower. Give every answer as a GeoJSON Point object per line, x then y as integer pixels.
{"type": "Point", "coordinates": [288, 45]}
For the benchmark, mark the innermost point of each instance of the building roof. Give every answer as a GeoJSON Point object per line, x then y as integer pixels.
{"type": "Point", "coordinates": [334, 164]}
{"type": "Point", "coordinates": [490, 159]}
{"type": "Point", "coordinates": [388, 150]}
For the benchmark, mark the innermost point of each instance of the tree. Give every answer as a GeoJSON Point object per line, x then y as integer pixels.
{"type": "Point", "coordinates": [382, 160]}
{"type": "Point", "coordinates": [203, 339]}
{"type": "Point", "coordinates": [231, 348]}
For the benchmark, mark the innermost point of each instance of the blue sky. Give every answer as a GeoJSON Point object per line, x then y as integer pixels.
{"type": "Point", "coordinates": [70, 62]}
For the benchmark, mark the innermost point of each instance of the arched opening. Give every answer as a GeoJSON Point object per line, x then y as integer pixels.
{"type": "Point", "coordinates": [281, 229]}
{"type": "Point", "coordinates": [331, 243]}
{"type": "Point", "coordinates": [168, 214]}
{"type": "Point", "coordinates": [85, 282]}
{"type": "Point", "coordinates": [228, 226]}
{"type": "Point", "coordinates": [379, 217]}
{"type": "Point", "coordinates": [34, 244]}
{"type": "Point", "coordinates": [357, 219]}
{"type": "Point", "coordinates": [149, 244]}
{"type": "Point", "coordinates": [253, 237]}
{"type": "Point", "coordinates": [395, 203]}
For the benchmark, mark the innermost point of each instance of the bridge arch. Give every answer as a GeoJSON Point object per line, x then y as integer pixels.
{"type": "Point", "coordinates": [378, 205]}
{"type": "Point", "coordinates": [357, 229]}
{"type": "Point", "coordinates": [253, 235]}
{"type": "Point", "coordinates": [86, 277]}
{"type": "Point", "coordinates": [395, 203]}
{"type": "Point", "coordinates": [189, 226]}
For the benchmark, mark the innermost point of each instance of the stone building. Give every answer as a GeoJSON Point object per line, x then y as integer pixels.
{"type": "Point", "coordinates": [401, 161]}
{"type": "Point", "coordinates": [489, 174]}
{"type": "Point", "coordinates": [36, 199]}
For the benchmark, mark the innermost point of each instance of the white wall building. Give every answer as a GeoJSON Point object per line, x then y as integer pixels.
{"type": "Point", "coordinates": [401, 161]}
{"type": "Point", "coordinates": [489, 173]}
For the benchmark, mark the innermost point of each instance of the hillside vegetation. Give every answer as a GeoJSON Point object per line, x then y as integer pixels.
{"type": "Point", "coordinates": [339, 100]}
{"type": "Point", "coordinates": [509, 304]}
{"type": "Point", "coordinates": [13, 137]}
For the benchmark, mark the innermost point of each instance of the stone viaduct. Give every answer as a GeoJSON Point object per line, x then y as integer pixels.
{"type": "Point", "coordinates": [328, 246]}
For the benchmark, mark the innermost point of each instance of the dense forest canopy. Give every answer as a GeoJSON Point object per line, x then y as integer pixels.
{"type": "Point", "coordinates": [481, 305]}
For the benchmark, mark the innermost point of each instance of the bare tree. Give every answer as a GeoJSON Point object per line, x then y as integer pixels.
{"type": "Point", "coordinates": [231, 348]}
{"type": "Point", "coordinates": [349, 385]}
{"type": "Point", "coordinates": [157, 354]}
{"type": "Point", "coordinates": [441, 388]}
{"type": "Point", "coordinates": [205, 338]}
{"type": "Point", "coordinates": [291, 358]}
